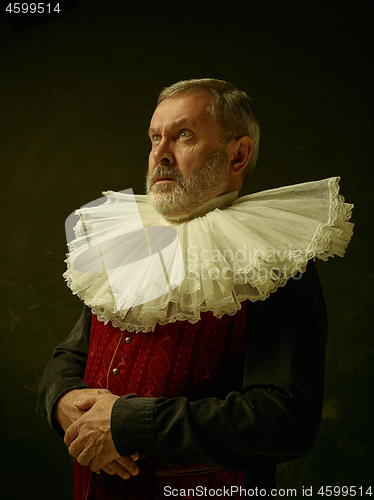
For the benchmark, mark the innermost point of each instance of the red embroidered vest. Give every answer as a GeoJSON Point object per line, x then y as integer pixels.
{"type": "Point", "coordinates": [179, 359]}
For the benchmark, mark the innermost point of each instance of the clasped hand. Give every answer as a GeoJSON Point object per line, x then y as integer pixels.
{"type": "Point", "coordinates": [89, 437]}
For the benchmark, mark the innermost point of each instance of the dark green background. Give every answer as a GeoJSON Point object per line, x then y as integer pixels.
{"type": "Point", "coordinates": [77, 94]}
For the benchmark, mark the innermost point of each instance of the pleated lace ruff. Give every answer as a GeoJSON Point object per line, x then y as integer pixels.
{"type": "Point", "coordinates": [243, 252]}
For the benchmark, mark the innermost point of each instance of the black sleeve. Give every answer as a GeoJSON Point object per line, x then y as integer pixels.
{"type": "Point", "coordinates": [276, 416]}
{"type": "Point", "coordinates": [65, 371]}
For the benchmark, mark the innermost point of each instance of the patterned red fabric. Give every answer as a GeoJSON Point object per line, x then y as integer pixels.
{"type": "Point", "coordinates": [179, 359]}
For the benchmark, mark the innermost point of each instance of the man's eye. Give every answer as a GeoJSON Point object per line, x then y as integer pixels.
{"type": "Point", "coordinates": [156, 138]}
{"type": "Point", "coordinates": [185, 133]}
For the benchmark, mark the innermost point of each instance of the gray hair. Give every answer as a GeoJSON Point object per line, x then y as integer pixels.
{"type": "Point", "coordinates": [231, 108]}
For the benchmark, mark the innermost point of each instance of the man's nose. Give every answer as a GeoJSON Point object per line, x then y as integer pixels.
{"type": "Point", "coordinates": [162, 153]}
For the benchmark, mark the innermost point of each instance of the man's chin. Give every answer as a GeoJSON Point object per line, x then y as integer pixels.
{"type": "Point", "coordinates": [164, 189]}
{"type": "Point", "coordinates": [166, 204]}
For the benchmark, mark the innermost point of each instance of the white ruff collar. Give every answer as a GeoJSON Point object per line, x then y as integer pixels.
{"type": "Point", "coordinates": [134, 271]}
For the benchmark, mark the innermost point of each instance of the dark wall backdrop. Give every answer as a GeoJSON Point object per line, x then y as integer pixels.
{"type": "Point", "coordinates": [77, 93]}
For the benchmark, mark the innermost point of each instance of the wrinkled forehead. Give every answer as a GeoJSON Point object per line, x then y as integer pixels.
{"type": "Point", "coordinates": [193, 93]}
{"type": "Point", "coordinates": [187, 108]}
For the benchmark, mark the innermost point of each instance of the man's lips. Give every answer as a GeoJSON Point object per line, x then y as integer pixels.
{"type": "Point", "coordinates": [165, 179]}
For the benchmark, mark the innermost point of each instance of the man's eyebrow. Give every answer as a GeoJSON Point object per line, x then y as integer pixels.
{"type": "Point", "coordinates": [175, 124]}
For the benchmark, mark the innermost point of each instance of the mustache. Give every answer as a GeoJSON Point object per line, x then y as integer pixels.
{"type": "Point", "coordinates": [164, 171]}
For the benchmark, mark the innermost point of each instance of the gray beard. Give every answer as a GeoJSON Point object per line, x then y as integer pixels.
{"type": "Point", "coordinates": [189, 192]}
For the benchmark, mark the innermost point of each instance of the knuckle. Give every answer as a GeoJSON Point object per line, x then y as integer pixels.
{"type": "Point", "coordinates": [81, 460]}
{"type": "Point", "coordinates": [67, 438]}
{"type": "Point", "coordinates": [94, 467]}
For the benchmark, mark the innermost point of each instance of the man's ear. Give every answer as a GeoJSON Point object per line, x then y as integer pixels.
{"type": "Point", "coordinates": [239, 153]}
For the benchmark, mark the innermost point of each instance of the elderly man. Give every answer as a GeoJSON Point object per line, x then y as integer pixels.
{"type": "Point", "coordinates": [203, 393]}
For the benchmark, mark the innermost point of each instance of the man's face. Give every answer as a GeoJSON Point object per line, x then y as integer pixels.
{"type": "Point", "coordinates": [187, 166]}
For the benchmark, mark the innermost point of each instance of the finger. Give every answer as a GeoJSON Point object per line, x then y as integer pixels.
{"type": "Point", "coordinates": [76, 448]}
{"type": "Point", "coordinates": [135, 456]}
{"type": "Point", "coordinates": [71, 434]}
{"type": "Point", "coordinates": [108, 470]}
{"type": "Point", "coordinates": [87, 402]}
{"type": "Point", "coordinates": [85, 458]}
{"type": "Point", "coordinates": [103, 391]}
{"type": "Point", "coordinates": [116, 468]}
{"type": "Point", "coordinates": [129, 464]}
